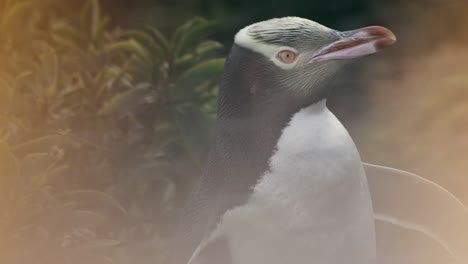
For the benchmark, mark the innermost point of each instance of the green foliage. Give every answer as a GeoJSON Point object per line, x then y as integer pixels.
{"type": "Point", "coordinates": [101, 132]}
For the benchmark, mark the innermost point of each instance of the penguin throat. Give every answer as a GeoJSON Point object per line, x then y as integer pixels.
{"type": "Point", "coordinates": [250, 123]}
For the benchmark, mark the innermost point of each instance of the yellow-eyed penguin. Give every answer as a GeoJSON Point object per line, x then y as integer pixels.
{"type": "Point", "coordinates": [285, 183]}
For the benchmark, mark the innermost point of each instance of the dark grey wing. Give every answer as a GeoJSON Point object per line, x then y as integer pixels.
{"type": "Point", "coordinates": [216, 193]}
{"type": "Point", "coordinates": [417, 221]}
{"type": "Point", "coordinates": [201, 214]}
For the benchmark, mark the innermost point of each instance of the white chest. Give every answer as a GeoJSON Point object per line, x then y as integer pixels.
{"type": "Point", "coordinates": [312, 206]}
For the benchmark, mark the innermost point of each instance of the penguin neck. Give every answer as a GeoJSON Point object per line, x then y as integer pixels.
{"type": "Point", "coordinates": [252, 113]}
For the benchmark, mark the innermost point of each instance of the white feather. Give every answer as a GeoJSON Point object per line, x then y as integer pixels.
{"type": "Point", "coordinates": [312, 206]}
{"type": "Point", "coordinates": [244, 38]}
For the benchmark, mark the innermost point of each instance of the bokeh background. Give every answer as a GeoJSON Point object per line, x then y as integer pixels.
{"type": "Point", "coordinates": [106, 110]}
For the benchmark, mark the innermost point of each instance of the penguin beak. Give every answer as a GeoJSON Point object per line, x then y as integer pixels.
{"type": "Point", "coordinates": [355, 43]}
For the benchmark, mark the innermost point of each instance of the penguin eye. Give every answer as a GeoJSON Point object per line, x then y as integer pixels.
{"type": "Point", "coordinates": [287, 56]}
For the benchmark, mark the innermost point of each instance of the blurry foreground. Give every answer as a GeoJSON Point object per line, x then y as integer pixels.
{"type": "Point", "coordinates": [98, 129]}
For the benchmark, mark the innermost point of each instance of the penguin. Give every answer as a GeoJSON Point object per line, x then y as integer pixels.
{"type": "Point", "coordinates": [284, 181]}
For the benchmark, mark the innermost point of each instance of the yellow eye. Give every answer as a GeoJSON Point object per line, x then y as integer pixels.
{"type": "Point", "coordinates": [287, 56]}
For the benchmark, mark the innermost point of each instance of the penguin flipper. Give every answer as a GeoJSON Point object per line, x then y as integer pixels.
{"type": "Point", "coordinates": [202, 213]}
{"type": "Point", "coordinates": [417, 221]}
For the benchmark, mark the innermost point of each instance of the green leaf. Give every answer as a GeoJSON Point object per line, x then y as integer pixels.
{"type": "Point", "coordinates": [131, 47]}
{"type": "Point", "coordinates": [191, 37]}
{"type": "Point", "coordinates": [50, 70]}
{"type": "Point", "coordinates": [159, 38]}
{"type": "Point", "coordinates": [139, 69]}
{"type": "Point", "coordinates": [71, 33]}
{"type": "Point", "coordinates": [208, 48]}
{"type": "Point", "coordinates": [95, 18]}
{"type": "Point", "coordinates": [111, 80]}
{"type": "Point", "coordinates": [206, 70]}
{"type": "Point", "coordinates": [205, 93]}
{"type": "Point", "coordinates": [23, 75]}
{"type": "Point", "coordinates": [209, 70]}
{"type": "Point", "coordinates": [90, 18]}
{"type": "Point", "coordinates": [15, 12]}
{"type": "Point", "coordinates": [145, 39]}
{"type": "Point", "coordinates": [66, 44]}
{"type": "Point", "coordinates": [180, 31]}
{"type": "Point", "coordinates": [180, 35]}
{"type": "Point", "coordinates": [183, 62]}
{"type": "Point", "coordinates": [123, 101]}
{"type": "Point", "coordinates": [101, 29]}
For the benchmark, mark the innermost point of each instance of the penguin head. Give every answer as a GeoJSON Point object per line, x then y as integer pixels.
{"type": "Point", "coordinates": [297, 56]}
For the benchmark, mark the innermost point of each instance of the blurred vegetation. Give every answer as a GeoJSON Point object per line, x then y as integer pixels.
{"type": "Point", "coordinates": [101, 130]}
